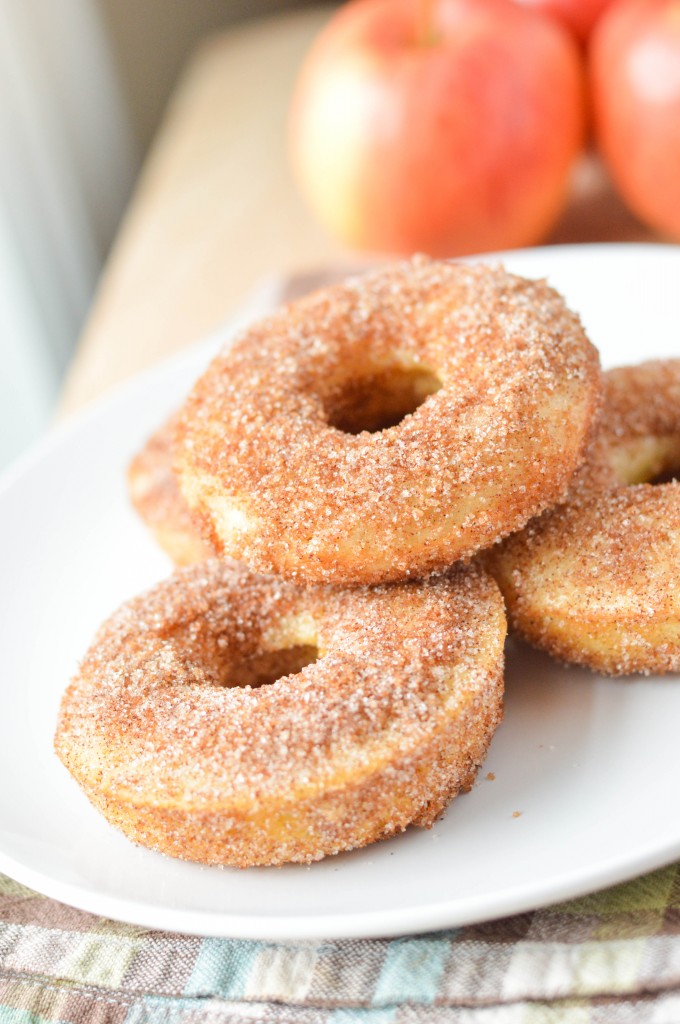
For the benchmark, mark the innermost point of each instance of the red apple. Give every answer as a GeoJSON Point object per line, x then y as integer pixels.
{"type": "Point", "coordinates": [578, 15]}
{"type": "Point", "coordinates": [635, 71]}
{"type": "Point", "coordinates": [448, 127]}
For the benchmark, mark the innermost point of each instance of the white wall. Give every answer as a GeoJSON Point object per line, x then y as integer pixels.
{"type": "Point", "coordinates": [66, 171]}
{"type": "Point", "coordinates": [153, 39]}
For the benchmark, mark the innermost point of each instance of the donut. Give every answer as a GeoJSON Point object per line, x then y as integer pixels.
{"type": "Point", "coordinates": [594, 582]}
{"type": "Point", "coordinates": [389, 426]}
{"type": "Point", "coordinates": [200, 724]}
{"type": "Point", "coordinates": [640, 433]}
{"type": "Point", "coordinates": [157, 499]}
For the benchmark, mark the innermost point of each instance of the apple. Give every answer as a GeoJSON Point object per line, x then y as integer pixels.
{"type": "Point", "coordinates": [448, 127]}
{"type": "Point", "coordinates": [579, 16]}
{"type": "Point", "coordinates": [635, 84]}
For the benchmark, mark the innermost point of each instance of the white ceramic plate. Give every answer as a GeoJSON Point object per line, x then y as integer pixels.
{"type": "Point", "coordinates": [591, 765]}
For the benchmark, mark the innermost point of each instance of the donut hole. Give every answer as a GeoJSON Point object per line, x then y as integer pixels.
{"type": "Point", "coordinates": [666, 476]}
{"type": "Point", "coordinates": [379, 399]}
{"type": "Point", "coordinates": [648, 460]}
{"type": "Point", "coordinates": [266, 667]}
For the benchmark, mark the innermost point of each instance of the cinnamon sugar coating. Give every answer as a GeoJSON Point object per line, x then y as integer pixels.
{"type": "Point", "coordinates": [641, 429]}
{"type": "Point", "coordinates": [156, 496]}
{"type": "Point", "coordinates": [168, 732]}
{"type": "Point", "coordinates": [595, 581]}
{"type": "Point", "coordinates": [280, 451]}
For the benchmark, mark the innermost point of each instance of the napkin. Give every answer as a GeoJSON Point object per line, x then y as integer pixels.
{"type": "Point", "coordinates": [608, 958]}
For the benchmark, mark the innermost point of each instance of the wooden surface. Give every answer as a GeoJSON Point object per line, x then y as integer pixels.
{"type": "Point", "coordinates": [216, 209]}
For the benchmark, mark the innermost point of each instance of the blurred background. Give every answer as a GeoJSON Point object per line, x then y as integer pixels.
{"type": "Point", "coordinates": [162, 124]}
{"type": "Point", "coordinates": [83, 86]}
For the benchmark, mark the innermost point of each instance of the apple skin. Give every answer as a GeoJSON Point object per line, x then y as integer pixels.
{"type": "Point", "coordinates": [458, 142]}
{"type": "Point", "coordinates": [579, 16]}
{"type": "Point", "coordinates": [635, 84]}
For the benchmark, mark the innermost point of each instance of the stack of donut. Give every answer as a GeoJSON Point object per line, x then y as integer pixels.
{"type": "Point", "coordinates": [327, 668]}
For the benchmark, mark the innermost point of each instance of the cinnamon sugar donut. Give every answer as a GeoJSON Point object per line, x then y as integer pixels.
{"type": "Point", "coordinates": [595, 581]}
{"type": "Point", "coordinates": [155, 494]}
{"type": "Point", "coordinates": [175, 736]}
{"type": "Point", "coordinates": [389, 426]}
{"type": "Point", "coordinates": [640, 433]}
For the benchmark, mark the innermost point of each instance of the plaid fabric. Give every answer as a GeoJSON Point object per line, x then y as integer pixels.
{"type": "Point", "coordinates": [610, 958]}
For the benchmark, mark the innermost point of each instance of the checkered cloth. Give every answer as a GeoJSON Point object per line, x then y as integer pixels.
{"type": "Point", "coordinates": [611, 958]}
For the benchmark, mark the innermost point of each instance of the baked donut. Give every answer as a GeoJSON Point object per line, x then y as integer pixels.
{"type": "Point", "coordinates": [176, 736]}
{"type": "Point", "coordinates": [390, 426]}
{"type": "Point", "coordinates": [640, 433]}
{"type": "Point", "coordinates": [595, 581]}
{"type": "Point", "coordinates": [155, 495]}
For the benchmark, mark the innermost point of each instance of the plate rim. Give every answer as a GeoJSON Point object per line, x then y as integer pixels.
{"type": "Point", "coordinates": [369, 924]}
